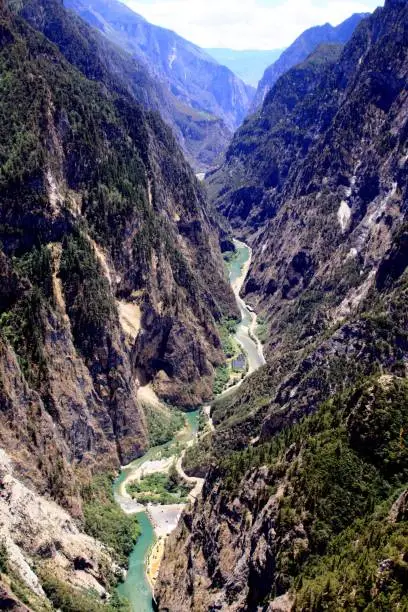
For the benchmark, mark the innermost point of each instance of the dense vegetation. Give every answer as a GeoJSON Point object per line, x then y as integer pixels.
{"type": "Point", "coordinates": [3, 558]}
{"type": "Point", "coordinates": [67, 599]}
{"type": "Point", "coordinates": [262, 330]}
{"type": "Point", "coordinates": [105, 520]}
{"type": "Point", "coordinates": [160, 488]}
{"type": "Point", "coordinates": [227, 328]}
{"type": "Point", "coordinates": [163, 424]}
{"type": "Point", "coordinates": [223, 373]}
{"type": "Point", "coordinates": [341, 469]}
{"type": "Point", "coordinates": [22, 321]}
{"type": "Point", "coordinates": [222, 377]}
{"type": "Point", "coordinates": [89, 302]}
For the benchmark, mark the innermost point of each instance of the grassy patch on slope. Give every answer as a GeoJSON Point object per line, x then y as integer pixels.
{"type": "Point", "coordinates": [106, 521]}
{"type": "Point", "coordinates": [163, 424]}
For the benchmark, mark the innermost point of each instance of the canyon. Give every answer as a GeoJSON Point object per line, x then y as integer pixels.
{"type": "Point", "coordinates": [316, 183]}
{"type": "Point", "coordinates": [147, 555]}
{"type": "Point", "coordinates": [203, 351]}
{"type": "Point", "coordinates": [201, 99]}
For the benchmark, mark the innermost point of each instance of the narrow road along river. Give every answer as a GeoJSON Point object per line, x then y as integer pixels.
{"type": "Point", "coordinates": [162, 519]}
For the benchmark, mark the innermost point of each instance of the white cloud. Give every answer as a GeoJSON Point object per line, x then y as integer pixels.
{"type": "Point", "coordinates": [246, 24]}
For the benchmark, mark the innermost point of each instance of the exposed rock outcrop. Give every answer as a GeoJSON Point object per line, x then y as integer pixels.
{"type": "Point", "coordinates": [33, 528]}
{"type": "Point", "coordinates": [318, 184]}
{"type": "Point", "coordinates": [98, 206]}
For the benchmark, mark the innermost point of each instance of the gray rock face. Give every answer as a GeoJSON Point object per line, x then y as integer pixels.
{"type": "Point", "coordinates": [323, 200]}
{"type": "Point", "coordinates": [32, 526]}
{"type": "Point", "coordinates": [226, 570]}
{"type": "Point", "coordinates": [306, 175]}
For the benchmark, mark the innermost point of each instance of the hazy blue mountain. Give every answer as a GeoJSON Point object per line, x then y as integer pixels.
{"type": "Point", "coordinates": [195, 78]}
{"type": "Point", "coordinates": [249, 65]}
{"type": "Point", "coordinates": [303, 46]}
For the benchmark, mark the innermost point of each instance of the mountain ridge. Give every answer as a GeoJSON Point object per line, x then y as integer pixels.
{"type": "Point", "coordinates": [192, 77]}
{"type": "Point", "coordinates": [323, 204]}
{"type": "Point", "coordinates": [100, 216]}
{"type": "Point", "coordinates": [301, 48]}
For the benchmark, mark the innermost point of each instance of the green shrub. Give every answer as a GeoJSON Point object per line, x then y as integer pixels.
{"type": "Point", "coordinates": [66, 598]}
{"type": "Point", "coordinates": [23, 327]}
{"type": "Point", "coordinates": [3, 557]}
{"type": "Point", "coordinates": [226, 329]}
{"type": "Point", "coordinates": [37, 267]}
{"type": "Point", "coordinates": [89, 303]}
{"type": "Point", "coordinates": [160, 488]}
{"type": "Point", "coordinates": [162, 424]}
{"type": "Point", "coordinates": [262, 330]}
{"type": "Point", "coordinates": [222, 376]}
{"type": "Point", "coordinates": [106, 521]}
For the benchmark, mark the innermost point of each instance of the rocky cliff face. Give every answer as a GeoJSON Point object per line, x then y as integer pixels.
{"type": "Point", "coordinates": [280, 526]}
{"type": "Point", "coordinates": [350, 185]}
{"type": "Point", "coordinates": [131, 228]}
{"type": "Point", "coordinates": [209, 102]}
{"type": "Point", "coordinates": [269, 145]}
{"type": "Point", "coordinates": [278, 523]}
{"type": "Point", "coordinates": [301, 48]}
{"type": "Point", "coordinates": [110, 270]}
{"type": "Point", "coordinates": [35, 529]}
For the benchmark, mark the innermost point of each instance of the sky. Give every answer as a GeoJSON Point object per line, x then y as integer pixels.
{"type": "Point", "coordinates": [246, 24]}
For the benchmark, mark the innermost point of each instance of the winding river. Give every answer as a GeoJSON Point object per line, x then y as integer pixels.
{"type": "Point", "coordinates": [157, 522]}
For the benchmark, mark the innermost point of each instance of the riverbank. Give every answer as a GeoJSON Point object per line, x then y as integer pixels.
{"type": "Point", "coordinates": [164, 519]}
{"type": "Point", "coordinates": [238, 282]}
{"type": "Point", "coordinates": [153, 561]}
{"type": "Point", "coordinates": [159, 516]}
{"type": "Point", "coordinates": [246, 335]}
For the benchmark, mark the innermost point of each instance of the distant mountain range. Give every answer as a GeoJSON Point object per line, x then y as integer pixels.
{"type": "Point", "coordinates": [203, 91]}
{"type": "Point", "coordinates": [303, 46]}
{"type": "Point", "coordinates": [249, 65]}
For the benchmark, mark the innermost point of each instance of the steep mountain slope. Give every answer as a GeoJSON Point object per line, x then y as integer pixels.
{"type": "Point", "coordinates": [270, 143]}
{"type": "Point", "coordinates": [203, 89]}
{"type": "Point", "coordinates": [249, 64]}
{"type": "Point", "coordinates": [101, 222]}
{"type": "Point", "coordinates": [303, 46]}
{"type": "Point", "coordinates": [202, 137]}
{"type": "Point", "coordinates": [304, 505]}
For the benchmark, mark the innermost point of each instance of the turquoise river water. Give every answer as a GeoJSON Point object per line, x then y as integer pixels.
{"type": "Point", "coordinates": [136, 587]}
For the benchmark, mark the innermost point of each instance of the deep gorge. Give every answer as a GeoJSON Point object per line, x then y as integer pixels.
{"type": "Point", "coordinates": [137, 587]}
{"type": "Point", "coordinates": [226, 355]}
